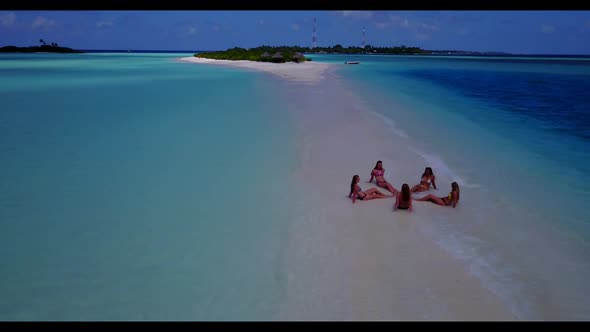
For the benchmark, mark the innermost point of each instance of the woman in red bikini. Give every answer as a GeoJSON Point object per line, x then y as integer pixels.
{"type": "Point", "coordinates": [378, 173]}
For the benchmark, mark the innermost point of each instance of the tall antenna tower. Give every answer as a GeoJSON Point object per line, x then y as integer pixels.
{"type": "Point", "coordinates": [364, 42]}
{"type": "Point", "coordinates": [314, 36]}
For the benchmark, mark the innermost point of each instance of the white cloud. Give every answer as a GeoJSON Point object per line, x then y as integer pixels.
{"type": "Point", "coordinates": [399, 20]}
{"type": "Point", "coordinates": [546, 28]}
{"type": "Point", "coordinates": [104, 24]}
{"type": "Point", "coordinates": [428, 27]}
{"type": "Point", "coordinates": [422, 36]}
{"type": "Point", "coordinates": [7, 19]}
{"type": "Point", "coordinates": [356, 14]}
{"type": "Point", "coordinates": [383, 21]}
{"type": "Point", "coordinates": [42, 22]}
{"type": "Point", "coordinates": [191, 31]}
{"type": "Point", "coordinates": [381, 25]}
{"type": "Point", "coordinates": [394, 18]}
{"type": "Point", "coordinates": [413, 25]}
{"type": "Point", "coordinates": [295, 27]}
{"type": "Point", "coordinates": [462, 31]}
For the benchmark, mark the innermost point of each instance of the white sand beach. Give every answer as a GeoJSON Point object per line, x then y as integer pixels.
{"type": "Point", "coordinates": [363, 261]}
{"type": "Point", "coordinates": [308, 72]}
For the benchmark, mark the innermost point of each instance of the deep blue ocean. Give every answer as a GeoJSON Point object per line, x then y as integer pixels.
{"type": "Point", "coordinates": [514, 131]}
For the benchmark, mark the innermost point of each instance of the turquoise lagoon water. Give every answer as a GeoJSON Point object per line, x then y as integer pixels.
{"type": "Point", "coordinates": [135, 187]}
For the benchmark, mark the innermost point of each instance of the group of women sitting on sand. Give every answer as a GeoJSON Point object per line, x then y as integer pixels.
{"type": "Point", "coordinates": [404, 198]}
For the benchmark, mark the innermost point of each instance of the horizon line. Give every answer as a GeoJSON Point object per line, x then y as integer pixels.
{"type": "Point", "coordinates": [212, 50]}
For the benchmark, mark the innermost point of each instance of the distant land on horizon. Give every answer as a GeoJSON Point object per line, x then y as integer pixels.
{"type": "Point", "coordinates": [350, 50]}
{"type": "Point", "coordinates": [43, 48]}
{"type": "Point", "coordinates": [426, 52]}
{"type": "Point", "coordinates": [59, 49]}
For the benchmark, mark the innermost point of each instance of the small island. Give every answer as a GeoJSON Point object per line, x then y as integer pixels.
{"type": "Point", "coordinates": [279, 54]}
{"type": "Point", "coordinates": [368, 49]}
{"type": "Point", "coordinates": [396, 50]}
{"type": "Point", "coordinates": [282, 54]}
{"type": "Point", "coordinates": [43, 48]}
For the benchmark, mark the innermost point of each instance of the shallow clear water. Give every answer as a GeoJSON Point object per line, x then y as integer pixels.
{"type": "Point", "coordinates": [137, 187]}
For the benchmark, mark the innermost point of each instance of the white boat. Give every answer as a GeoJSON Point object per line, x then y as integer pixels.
{"type": "Point", "coordinates": [352, 62]}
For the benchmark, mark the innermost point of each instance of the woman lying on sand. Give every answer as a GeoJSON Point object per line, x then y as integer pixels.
{"type": "Point", "coordinates": [403, 200]}
{"type": "Point", "coordinates": [427, 178]}
{"type": "Point", "coordinates": [378, 173]}
{"type": "Point", "coordinates": [452, 198]}
{"type": "Point", "coordinates": [356, 191]}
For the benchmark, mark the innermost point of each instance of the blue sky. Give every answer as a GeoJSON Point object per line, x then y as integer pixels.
{"type": "Point", "coordinates": [566, 32]}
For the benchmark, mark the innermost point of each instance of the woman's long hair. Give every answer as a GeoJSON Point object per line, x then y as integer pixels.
{"type": "Point", "coordinates": [352, 184]}
{"type": "Point", "coordinates": [456, 189]}
{"type": "Point", "coordinates": [378, 162]}
{"type": "Point", "coordinates": [405, 192]}
{"type": "Point", "coordinates": [426, 170]}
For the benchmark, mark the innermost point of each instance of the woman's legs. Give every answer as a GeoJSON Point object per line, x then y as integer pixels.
{"type": "Point", "coordinates": [381, 195]}
{"type": "Point", "coordinates": [433, 199]}
{"type": "Point", "coordinates": [371, 191]}
{"type": "Point", "coordinates": [375, 195]}
{"type": "Point", "coordinates": [377, 192]}
{"type": "Point", "coordinates": [388, 186]}
{"type": "Point", "coordinates": [418, 188]}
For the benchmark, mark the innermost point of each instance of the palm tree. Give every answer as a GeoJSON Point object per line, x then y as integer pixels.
{"type": "Point", "coordinates": [42, 41]}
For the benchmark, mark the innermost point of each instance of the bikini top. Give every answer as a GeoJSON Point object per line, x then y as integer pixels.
{"type": "Point", "coordinates": [379, 172]}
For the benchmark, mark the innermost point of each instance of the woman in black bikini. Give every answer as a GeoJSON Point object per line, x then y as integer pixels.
{"type": "Point", "coordinates": [403, 200]}
{"type": "Point", "coordinates": [357, 193]}
{"type": "Point", "coordinates": [378, 173]}
{"type": "Point", "coordinates": [451, 198]}
{"type": "Point", "coordinates": [425, 181]}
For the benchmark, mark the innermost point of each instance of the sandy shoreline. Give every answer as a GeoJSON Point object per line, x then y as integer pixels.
{"type": "Point", "coordinates": [362, 261]}
{"type": "Point", "coordinates": [307, 72]}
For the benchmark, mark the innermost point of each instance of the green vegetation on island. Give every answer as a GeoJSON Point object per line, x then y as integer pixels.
{"type": "Point", "coordinates": [278, 54]}
{"type": "Point", "coordinates": [44, 47]}
{"type": "Point", "coordinates": [295, 53]}
{"type": "Point", "coordinates": [368, 49]}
